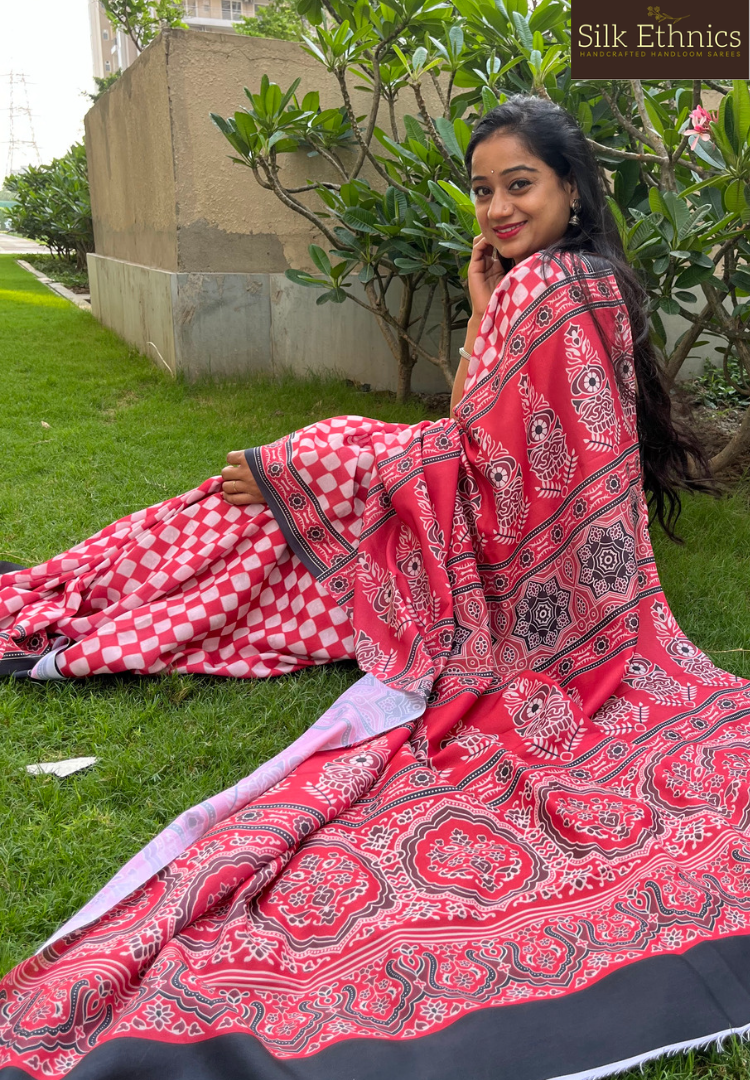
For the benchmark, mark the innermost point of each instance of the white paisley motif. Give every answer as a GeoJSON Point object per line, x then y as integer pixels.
{"type": "Point", "coordinates": [592, 393]}
{"type": "Point", "coordinates": [505, 476]}
{"type": "Point", "coordinates": [546, 445]}
{"type": "Point", "coordinates": [544, 717]}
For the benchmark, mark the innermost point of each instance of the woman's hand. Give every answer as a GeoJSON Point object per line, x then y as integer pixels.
{"type": "Point", "coordinates": [485, 272]}
{"type": "Point", "coordinates": [238, 483]}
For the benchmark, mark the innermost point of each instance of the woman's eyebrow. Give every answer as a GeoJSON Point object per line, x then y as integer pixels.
{"type": "Point", "coordinates": [513, 168]}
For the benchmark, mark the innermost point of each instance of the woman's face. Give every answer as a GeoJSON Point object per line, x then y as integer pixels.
{"type": "Point", "coordinates": [521, 204]}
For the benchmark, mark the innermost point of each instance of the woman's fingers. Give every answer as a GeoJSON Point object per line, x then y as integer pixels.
{"type": "Point", "coordinates": [234, 491]}
{"type": "Point", "coordinates": [238, 483]}
{"type": "Point", "coordinates": [481, 248]}
{"type": "Point", "coordinates": [236, 472]}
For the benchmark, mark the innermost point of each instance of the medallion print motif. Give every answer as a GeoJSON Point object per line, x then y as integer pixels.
{"type": "Point", "coordinates": [542, 614]}
{"type": "Point", "coordinates": [607, 559]}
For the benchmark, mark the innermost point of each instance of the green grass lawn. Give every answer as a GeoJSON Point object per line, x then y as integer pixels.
{"type": "Point", "coordinates": [121, 434]}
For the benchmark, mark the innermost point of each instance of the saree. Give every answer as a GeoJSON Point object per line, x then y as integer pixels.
{"type": "Point", "coordinates": [529, 856]}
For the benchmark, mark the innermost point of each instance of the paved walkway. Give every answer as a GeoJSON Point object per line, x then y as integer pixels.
{"type": "Point", "coordinates": [17, 245]}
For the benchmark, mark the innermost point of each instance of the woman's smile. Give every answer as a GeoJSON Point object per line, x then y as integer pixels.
{"type": "Point", "coordinates": [504, 231]}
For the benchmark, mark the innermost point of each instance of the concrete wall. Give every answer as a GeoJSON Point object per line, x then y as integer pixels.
{"type": "Point", "coordinates": [226, 221]}
{"type": "Point", "coordinates": [190, 250]}
{"type": "Point", "coordinates": [130, 164]}
{"type": "Point", "coordinates": [136, 302]}
{"type": "Point", "coordinates": [165, 192]}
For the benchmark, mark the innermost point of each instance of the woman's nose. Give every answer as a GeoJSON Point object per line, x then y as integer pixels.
{"type": "Point", "coordinates": [500, 207]}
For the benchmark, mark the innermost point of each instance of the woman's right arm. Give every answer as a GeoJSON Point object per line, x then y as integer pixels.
{"type": "Point", "coordinates": [484, 274]}
{"type": "Point", "coordinates": [472, 329]}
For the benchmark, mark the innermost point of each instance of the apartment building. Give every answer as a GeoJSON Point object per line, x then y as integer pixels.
{"type": "Point", "coordinates": [110, 50]}
{"type": "Point", "coordinates": [218, 14]}
{"type": "Point", "coordinates": [114, 51]}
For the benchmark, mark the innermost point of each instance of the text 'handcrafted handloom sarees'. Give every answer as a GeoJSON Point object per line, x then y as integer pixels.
{"type": "Point", "coordinates": [539, 864]}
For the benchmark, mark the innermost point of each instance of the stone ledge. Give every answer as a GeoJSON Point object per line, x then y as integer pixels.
{"type": "Point", "coordinates": [81, 300]}
{"type": "Point", "coordinates": [230, 325]}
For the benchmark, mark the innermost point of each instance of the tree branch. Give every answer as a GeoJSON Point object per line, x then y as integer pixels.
{"type": "Point", "coordinates": [341, 77]}
{"type": "Point", "coordinates": [263, 183]}
{"type": "Point", "coordinates": [388, 318]}
{"type": "Point", "coordinates": [734, 447]}
{"type": "Point", "coordinates": [445, 334]}
{"type": "Point", "coordinates": [293, 204]}
{"type": "Point", "coordinates": [364, 143]}
{"type": "Point", "coordinates": [377, 85]}
{"type": "Point", "coordinates": [329, 156]}
{"type": "Point", "coordinates": [423, 317]}
{"type": "Point", "coordinates": [313, 187]}
{"type": "Point", "coordinates": [725, 247]}
{"type": "Point", "coordinates": [626, 154]}
{"type": "Point", "coordinates": [376, 307]}
{"type": "Point", "coordinates": [392, 113]}
{"type": "Point", "coordinates": [442, 150]}
{"type": "Point", "coordinates": [657, 141]}
{"type": "Point", "coordinates": [653, 135]}
{"type": "Point", "coordinates": [680, 354]}
{"type": "Point", "coordinates": [628, 125]}
{"type": "Point", "coordinates": [438, 88]}
{"type": "Point", "coordinates": [448, 95]}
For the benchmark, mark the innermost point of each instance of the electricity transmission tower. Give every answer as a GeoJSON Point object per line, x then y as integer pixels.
{"type": "Point", "coordinates": [21, 138]}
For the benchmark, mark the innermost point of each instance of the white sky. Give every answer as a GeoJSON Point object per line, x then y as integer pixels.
{"type": "Point", "coordinates": [47, 41]}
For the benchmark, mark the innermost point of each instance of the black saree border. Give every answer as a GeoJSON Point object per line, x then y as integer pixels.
{"type": "Point", "coordinates": [664, 1003]}
{"type": "Point", "coordinates": [281, 513]}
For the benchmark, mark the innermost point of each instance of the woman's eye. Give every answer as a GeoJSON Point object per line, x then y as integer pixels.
{"type": "Point", "coordinates": [479, 192]}
{"type": "Point", "coordinates": [524, 184]}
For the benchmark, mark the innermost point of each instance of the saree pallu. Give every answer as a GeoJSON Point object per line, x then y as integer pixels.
{"type": "Point", "coordinates": [543, 869]}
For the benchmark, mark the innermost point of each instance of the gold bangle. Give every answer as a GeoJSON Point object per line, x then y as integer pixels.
{"type": "Point", "coordinates": [466, 355]}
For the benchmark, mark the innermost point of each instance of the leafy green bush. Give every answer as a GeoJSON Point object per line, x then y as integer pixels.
{"type": "Point", "coordinates": [53, 205]}
{"type": "Point", "coordinates": [142, 20]}
{"type": "Point", "coordinates": [103, 84]}
{"type": "Point", "coordinates": [718, 390]}
{"type": "Point", "coordinates": [60, 269]}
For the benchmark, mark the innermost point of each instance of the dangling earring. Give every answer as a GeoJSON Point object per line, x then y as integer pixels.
{"type": "Point", "coordinates": [575, 207]}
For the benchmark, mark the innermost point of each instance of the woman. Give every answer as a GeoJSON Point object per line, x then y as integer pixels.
{"type": "Point", "coordinates": [534, 862]}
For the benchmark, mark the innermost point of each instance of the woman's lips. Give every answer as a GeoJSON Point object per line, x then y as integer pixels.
{"type": "Point", "coordinates": [510, 231]}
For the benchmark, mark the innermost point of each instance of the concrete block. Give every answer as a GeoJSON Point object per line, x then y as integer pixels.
{"type": "Point", "coordinates": [231, 325]}
{"type": "Point", "coordinates": [136, 302]}
{"type": "Point", "coordinates": [310, 337]}
{"type": "Point", "coordinates": [222, 324]}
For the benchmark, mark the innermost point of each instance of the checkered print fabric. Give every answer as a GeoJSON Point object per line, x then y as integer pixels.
{"type": "Point", "coordinates": [512, 295]}
{"type": "Point", "coordinates": [190, 585]}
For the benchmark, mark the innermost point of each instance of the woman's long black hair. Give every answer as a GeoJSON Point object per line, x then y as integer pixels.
{"type": "Point", "coordinates": [671, 459]}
